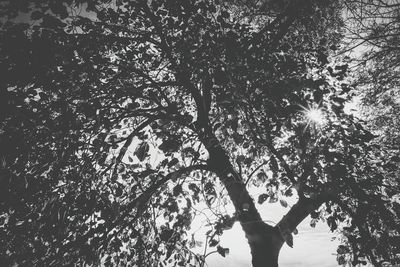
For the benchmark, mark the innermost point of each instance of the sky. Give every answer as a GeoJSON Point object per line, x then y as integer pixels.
{"type": "Point", "coordinates": [312, 246]}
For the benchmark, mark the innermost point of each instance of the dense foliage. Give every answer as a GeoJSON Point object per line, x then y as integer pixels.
{"type": "Point", "coordinates": [374, 29]}
{"type": "Point", "coordinates": [120, 118]}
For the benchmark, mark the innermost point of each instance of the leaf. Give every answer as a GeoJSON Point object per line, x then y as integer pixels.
{"type": "Point", "coordinates": [210, 193]}
{"type": "Point", "coordinates": [213, 243]}
{"type": "Point", "coordinates": [238, 138]}
{"type": "Point", "coordinates": [314, 214]}
{"type": "Point", "coordinates": [240, 159]}
{"type": "Point", "coordinates": [313, 222]}
{"type": "Point", "coordinates": [118, 191]}
{"type": "Point", "coordinates": [194, 188]}
{"type": "Point", "coordinates": [141, 151]}
{"type": "Point", "coordinates": [342, 249]}
{"type": "Point", "coordinates": [228, 224]}
{"type": "Point", "coordinates": [273, 199]}
{"type": "Point", "coordinates": [210, 199]}
{"type": "Point", "coordinates": [262, 198]}
{"type": "Point", "coordinates": [287, 236]}
{"type": "Point", "coordinates": [341, 260]}
{"type": "Point", "coordinates": [332, 223]}
{"type": "Point", "coordinates": [273, 164]}
{"type": "Point", "coordinates": [164, 163]}
{"type": "Point", "coordinates": [189, 152]}
{"type": "Point", "coordinates": [170, 145]}
{"type": "Point", "coordinates": [283, 203]}
{"type": "Point", "coordinates": [262, 177]}
{"type": "Point", "coordinates": [289, 192]}
{"type": "Point", "coordinates": [177, 190]}
{"type": "Point", "coordinates": [222, 251]}
{"type": "Point", "coordinates": [173, 162]}
{"type": "Point", "coordinates": [166, 234]}
{"type": "Point", "coordinates": [246, 144]}
{"type": "Point", "coordinates": [289, 239]}
{"type": "Point", "coordinates": [192, 242]}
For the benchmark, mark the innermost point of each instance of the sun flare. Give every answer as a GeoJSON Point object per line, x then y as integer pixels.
{"type": "Point", "coordinates": [315, 115]}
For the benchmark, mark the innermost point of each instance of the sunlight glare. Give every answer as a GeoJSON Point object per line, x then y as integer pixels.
{"type": "Point", "coordinates": [315, 115]}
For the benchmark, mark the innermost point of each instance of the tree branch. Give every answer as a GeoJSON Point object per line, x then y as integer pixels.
{"type": "Point", "coordinates": [140, 202]}
{"type": "Point", "coordinates": [295, 216]}
{"type": "Point", "coordinates": [286, 166]}
{"type": "Point", "coordinates": [248, 215]}
{"type": "Point", "coordinates": [254, 171]}
{"type": "Point", "coordinates": [145, 196]}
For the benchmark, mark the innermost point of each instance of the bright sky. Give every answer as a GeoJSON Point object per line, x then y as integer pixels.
{"type": "Point", "coordinates": [312, 246]}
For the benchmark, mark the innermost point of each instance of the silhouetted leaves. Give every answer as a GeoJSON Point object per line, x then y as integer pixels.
{"type": "Point", "coordinates": [142, 150]}
{"type": "Point", "coordinates": [222, 251]}
{"type": "Point", "coordinates": [103, 106]}
{"type": "Point", "coordinates": [262, 198]}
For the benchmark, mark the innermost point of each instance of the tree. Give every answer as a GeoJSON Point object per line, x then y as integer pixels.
{"type": "Point", "coordinates": [374, 26]}
{"type": "Point", "coordinates": [93, 89]}
{"type": "Point", "coordinates": [372, 34]}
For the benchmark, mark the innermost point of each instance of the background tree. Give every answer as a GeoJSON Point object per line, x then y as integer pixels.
{"type": "Point", "coordinates": [121, 117]}
{"type": "Point", "coordinates": [373, 33]}
{"type": "Point", "coordinates": [371, 39]}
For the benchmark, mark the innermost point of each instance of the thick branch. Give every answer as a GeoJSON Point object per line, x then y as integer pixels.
{"type": "Point", "coordinates": [202, 115]}
{"type": "Point", "coordinates": [264, 240]}
{"type": "Point", "coordinates": [219, 162]}
{"type": "Point", "coordinates": [298, 213]}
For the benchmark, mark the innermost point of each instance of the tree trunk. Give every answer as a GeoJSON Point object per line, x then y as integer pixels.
{"type": "Point", "coordinates": [265, 241]}
{"type": "Point", "coordinates": [265, 245]}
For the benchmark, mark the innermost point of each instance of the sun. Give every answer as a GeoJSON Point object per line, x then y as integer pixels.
{"type": "Point", "coordinates": [315, 115]}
